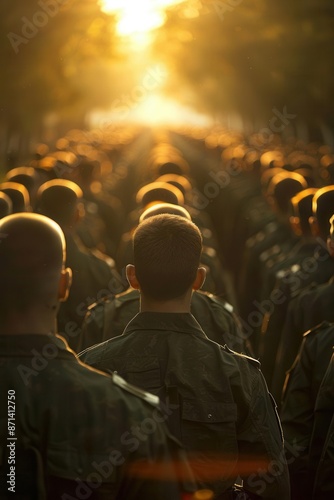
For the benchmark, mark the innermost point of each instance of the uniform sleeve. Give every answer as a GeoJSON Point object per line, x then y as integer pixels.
{"type": "Point", "coordinates": [298, 404]}
{"type": "Point", "coordinates": [322, 443]}
{"type": "Point", "coordinates": [92, 327]}
{"type": "Point", "coordinates": [297, 417]}
{"type": "Point", "coordinates": [262, 462]}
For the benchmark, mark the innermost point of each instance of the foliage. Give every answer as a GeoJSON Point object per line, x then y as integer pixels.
{"type": "Point", "coordinates": [48, 48]}
{"type": "Point", "coordinates": [249, 56]}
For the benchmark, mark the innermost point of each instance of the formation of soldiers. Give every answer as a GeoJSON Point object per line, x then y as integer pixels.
{"type": "Point", "coordinates": [229, 252]}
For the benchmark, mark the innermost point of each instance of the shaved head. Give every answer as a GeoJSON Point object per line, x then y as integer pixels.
{"type": "Point", "coordinates": [32, 251]}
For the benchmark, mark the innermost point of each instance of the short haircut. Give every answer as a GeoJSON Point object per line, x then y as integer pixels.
{"type": "Point", "coordinates": [5, 205]}
{"type": "Point", "coordinates": [283, 187]}
{"type": "Point", "coordinates": [58, 200]}
{"type": "Point", "coordinates": [179, 181]}
{"type": "Point", "coordinates": [302, 208]}
{"type": "Point", "coordinates": [164, 208]}
{"type": "Point", "coordinates": [178, 167]}
{"type": "Point", "coordinates": [162, 192]}
{"type": "Point", "coordinates": [31, 258]}
{"type": "Point", "coordinates": [167, 251]}
{"type": "Point", "coordinates": [18, 194]}
{"type": "Point", "coordinates": [323, 208]}
{"type": "Point", "coordinates": [27, 176]}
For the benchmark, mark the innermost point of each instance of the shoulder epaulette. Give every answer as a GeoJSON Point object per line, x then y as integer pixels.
{"type": "Point", "coordinates": [288, 272]}
{"type": "Point", "coordinates": [253, 361]}
{"type": "Point", "coordinates": [99, 303]}
{"type": "Point", "coordinates": [226, 305]}
{"type": "Point", "coordinates": [127, 296]}
{"type": "Point", "coordinates": [119, 299]}
{"type": "Point", "coordinates": [321, 326]}
{"type": "Point", "coordinates": [135, 391]}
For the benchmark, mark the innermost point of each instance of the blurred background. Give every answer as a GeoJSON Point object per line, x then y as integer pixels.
{"type": "Point", "coordinates": [234, 63]}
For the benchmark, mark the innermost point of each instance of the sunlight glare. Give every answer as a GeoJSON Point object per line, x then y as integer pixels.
{"type": "Point", "coordinates": [155, 110]}
{"type": "Point", "coordinates": [135, 17]}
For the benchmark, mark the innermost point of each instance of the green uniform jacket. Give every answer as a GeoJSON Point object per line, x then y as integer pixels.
{"type": "Point", "coordinates": [79, 433]}
{"type": "Point", "coordinates": [216, 400]}
{"type": "Point", "coordinates": [108, 318]}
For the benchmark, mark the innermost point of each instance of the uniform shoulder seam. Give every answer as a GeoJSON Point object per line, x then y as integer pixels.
{"type": "Point", "coordinates": [135, 391]}
{"type": "Point", "coordinates": [321, 326]}
{"type": "Point", "coordinates": [252, 361]}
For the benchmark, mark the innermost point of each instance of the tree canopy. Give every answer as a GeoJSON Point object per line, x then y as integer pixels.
{"type": "Point", "coordinates": [249, 56]}
{"type": "Point", "coordinates": [50, 49]}
{"type": "Point", "coordinates": [223, 56]}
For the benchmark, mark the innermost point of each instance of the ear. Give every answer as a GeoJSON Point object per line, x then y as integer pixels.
{"type": "Point", "coordinates": [131, 276]}
{"type": "Point", "coordinates": [64, 284]}
{"type": "Point", "coordinates": [314, 226]}
{"type": "Point", "coordinates": [200, 278]}
{"type": "Point", "coordinates": [330, 247]}
{"type": "Point", "coordinates": [295, 224]}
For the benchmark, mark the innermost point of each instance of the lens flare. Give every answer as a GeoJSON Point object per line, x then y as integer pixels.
{"type": "Point", "coordinates": [138, 17]}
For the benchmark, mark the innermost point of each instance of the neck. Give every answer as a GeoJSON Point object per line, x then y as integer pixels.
{"type": "Point", "coordinates": [178, 305]}
{"type": "Point", "coordinates": [36, 322]}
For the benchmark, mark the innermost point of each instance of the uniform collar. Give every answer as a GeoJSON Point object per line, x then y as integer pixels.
{"type": "Point", "coordinates": [155, 321]}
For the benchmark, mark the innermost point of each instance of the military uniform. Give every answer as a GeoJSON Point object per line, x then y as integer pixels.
{"type": "Point", "coordinates": [108, 318]}
{"type": "Point", "coordinates": [299, 400]}
{"type": "Point", "coordinates": [283, 261]}
{"type": "Point", "coordinates": [310, 308]}
{"type": "Point", "coordinates": [79, 432]}
{"type": "Point", "coordinates": [217, 400]}
{"type": "Point", "coordinates": [250, 285]}
{"type": "Point", "coordinates": [102, 224]}
{"type": "Point", "coordinates": [315, 305]}
{"type": "Point", "coordinates": [322, 443]}
{"type": "Point", "coordinates": [282, 320]}
{"type": "Point", "coordinates": [91, 276]}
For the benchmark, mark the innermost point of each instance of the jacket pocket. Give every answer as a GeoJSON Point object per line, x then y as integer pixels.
{"type": "Point", "coordinates": [209, 435]}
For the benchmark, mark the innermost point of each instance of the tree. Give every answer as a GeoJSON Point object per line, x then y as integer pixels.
{"type": "Point", "coordinates": [48, 48]}
{"type": "Point", "coordinates": [250, 56]}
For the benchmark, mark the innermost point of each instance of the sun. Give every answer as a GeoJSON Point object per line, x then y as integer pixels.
{"type": "Point", "coordinates": [138, 17]}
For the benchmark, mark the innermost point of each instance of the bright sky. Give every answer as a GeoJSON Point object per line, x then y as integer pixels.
{"type": "Point", "coordinates": [137, 17]}
{"type": "Point", "coordinates": [156, 109]}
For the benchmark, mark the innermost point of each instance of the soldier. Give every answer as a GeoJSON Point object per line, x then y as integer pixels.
{"type": "Point", "coordinates": [301, 205]}
{"type": "Point", "coordinates": [72, 431]}
{"type": "Point", "coordinates": [322, 443]}
{"type": "Point", "coordinates": [218, 401]}
{"type": "Point", "coordinates": [28, 177]}
{"type": "Point", "coordinates": [310, 308]}
{"type": "Point", "coordinates": [278, 236]}
{"type": "Point", "coordinates": [147, 195]}
{"type": "Point", "coordinates": [318, 268]}
{"type": "Point", "coordinates": [299, 400]}
{"type": "Point", "coordinates": [5, 205]}
{"type": "Point", "coordinates": [18, 194]}
{"type": "Point", "coordinates": [108, 317]}
{"type": "Point", "coordinates": [92, 271]}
